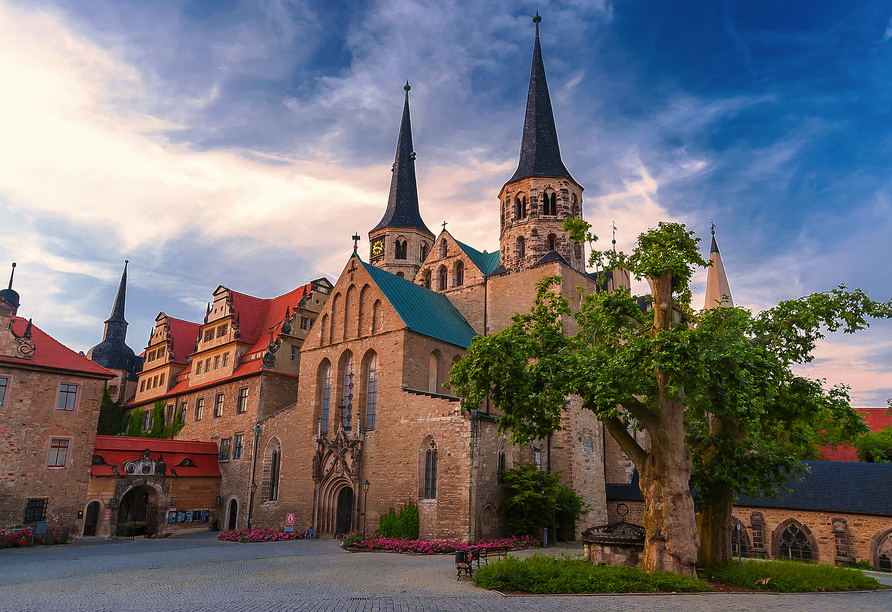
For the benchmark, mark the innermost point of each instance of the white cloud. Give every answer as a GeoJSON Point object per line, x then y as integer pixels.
{"type": "Point", "coordinates": [888, 33]}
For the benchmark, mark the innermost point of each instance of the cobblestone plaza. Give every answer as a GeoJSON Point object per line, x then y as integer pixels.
{"type": "Point", "coordinates": [202, 574]}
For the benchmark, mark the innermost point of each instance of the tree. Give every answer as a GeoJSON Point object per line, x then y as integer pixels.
{"type": "Point", "coordinates": [535, 499]}
{"type": "Point", "coordinates": [711, 389]}
{"type": "Point", "coordinates": [111, 416]}
{"type": "Point", "coordinates": [876, 446]}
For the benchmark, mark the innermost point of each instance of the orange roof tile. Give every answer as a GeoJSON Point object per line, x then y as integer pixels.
{"type": "Point", "coordinates": [50, 353]}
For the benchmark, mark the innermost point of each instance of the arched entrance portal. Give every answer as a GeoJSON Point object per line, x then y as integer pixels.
{"type": "Point", "coordinates": [91, 519]}
{"type": "Point", "coordinates": [233, 514]}
{"type": "Point", "coordinates": [140, 504]}
{"type": "Point", "coordinates": [345, 511]}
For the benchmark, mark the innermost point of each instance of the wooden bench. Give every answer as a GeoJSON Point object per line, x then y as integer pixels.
{"type": "Point", "coordinates": [485, 552]}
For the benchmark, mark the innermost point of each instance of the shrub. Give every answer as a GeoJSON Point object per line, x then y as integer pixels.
{"type": "Point", "coordinates": [260, 534]}
{"type": "Point", "coordinates": [359, 541]}
{"type": "Point", "coordinates": [545, 575]}
{"type": "Point", "coordinates": [131, 529]}
{"type": "Point", "coordinates": [535, 499]}
{"type": "Point", "coordinates": [402, 526]}
{"type": "Point", "coordinates": [21, 539]}
{"type": "Point", "coordinates": [789, 576]}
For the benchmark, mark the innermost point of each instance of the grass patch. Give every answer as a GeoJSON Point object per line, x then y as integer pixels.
{"type": "Point", "coordinates": [789, 577]}
{"type": "Point", "coordinates": [548, 575]}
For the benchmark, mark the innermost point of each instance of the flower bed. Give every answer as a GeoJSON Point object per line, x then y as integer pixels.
{"type": "Point", "coordinates": [22, 539]}
{"type": "Point", "coordinates": [372, 541]}
{"type": "Point", "coordinates": [262, 534]}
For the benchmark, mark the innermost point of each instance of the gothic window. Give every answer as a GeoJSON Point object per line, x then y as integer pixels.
{"type": "Point", "coordinates": [402, 248]}
{"type": "Point", "coordinates": [326, 397]}
{"type": "Point", "coordinates": [442, 279]}
{"type": "Point", "coordinates": [434, 372]}
{"type": "Point", "coordinates": [430, 471]}
{"type": "Point", "coordinates": [272, 467]}
{"type": "Point", "coordinates": [520, 248]}
{"type": "Point", "coordinates": [371, 392]}
{"type": "Point", "coordinates": [444, 249]}
{"type": "Point", "coordinates": [459, 274]}
{"type": "Point", "coordinates": [501, 467]}
{"type": "Point", "coordinates": [549, 204]}
{"type": "Point", "coordinates": [349, 379]}
{"type": "Point", "coordinates": [520, 207]}
{"type": "Point", "coordinates": [423, 252]}
{"type": "Point", "coordinates": [743, 549]}
{"type": "Point", "coordinates": [377, 320]}
{"type": "Point", "coordinates": [427, 279]}
{"type": "Point", "coordinates": [552, 242]}
{"type": "Point", "coordinates": [794, 543]}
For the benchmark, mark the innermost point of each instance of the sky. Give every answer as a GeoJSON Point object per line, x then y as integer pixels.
{"type": "Point", "coordinates": [243, 142]}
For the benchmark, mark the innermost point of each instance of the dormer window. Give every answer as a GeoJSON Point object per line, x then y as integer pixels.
{"type": "Point", "coordinates": [222, 330]}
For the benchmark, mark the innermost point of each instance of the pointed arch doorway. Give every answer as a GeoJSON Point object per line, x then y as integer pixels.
{"type": "Point", "coordinates": [344, 522]}
{"type": "Point", "coordinates": [233, 514]}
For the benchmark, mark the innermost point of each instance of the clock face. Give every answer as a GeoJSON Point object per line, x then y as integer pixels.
{"type": "Point", "coordinates": [378, 247]}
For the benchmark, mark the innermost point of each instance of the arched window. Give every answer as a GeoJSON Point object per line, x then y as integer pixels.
{"type": "Point", "coordinates": [433, 376]}
{"type": "Point", "coordinates": [442, 279]}
{"type": "Point", "coordinates": [549, 204]}
{"type": "Point", "coordinates": [371, 392]}
{"type": "Point", "coordinates": [501, 466]}
{"type": "Point", "coordinates": [444, 249]}
{"type": "Point", "coordinates": [520, 248]}
{"type": "Point", "coordinates": [427, 279]}
{"type": "Point", "coordinates": [401, 275]}
{"type": "Point", "coordinates": [554, 204]}
{"type": "Point", "coordinates": [459, 274]}
{"type": "Point", "coordinates": [402, 248]}
{"type": "Point", "coordinates": [794, 543]}
{"type": "Point", "coordinates": [520, 207]}
{"type": "Point", "coordinates": [574, 205]}
{"type": "Point", "coordinates": [430, 471]}
{"type": "Point", "coordinates": [348, 378]}
{"type": "Point", "coordinates": [552, 242]}
{"type": "Point", "coordinates": [275, 462]}
{"type": "Point", "coordinates": [326, 398]}
{"type": "Point", "coordinates": [423, 252]}
{"type": "Point", "coordinates": [376, 316]}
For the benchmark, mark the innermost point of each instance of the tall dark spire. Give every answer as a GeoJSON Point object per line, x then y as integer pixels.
{"type": "Point", "coordinates": [117, 313]}
{"type": "Point", "coordinates": [540, 154]}
{"type": "Point", "coordinates": [10, 295]}
{"type": "Point", "coordinates": [402, 205]}
{"type": "Point", "coordinates": [113, 351]}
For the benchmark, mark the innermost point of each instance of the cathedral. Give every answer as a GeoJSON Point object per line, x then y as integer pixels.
{"type": "Point", "coordinates": [329, 404]}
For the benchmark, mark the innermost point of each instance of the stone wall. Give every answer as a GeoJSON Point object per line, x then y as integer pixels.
{"type": "Point", "coordinates": [28, 421]}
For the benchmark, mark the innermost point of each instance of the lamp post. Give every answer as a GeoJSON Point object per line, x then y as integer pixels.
{"type": "Point", "coordinates": [365, 504]}
{"type": "Point", "coordinates": [253, 473]}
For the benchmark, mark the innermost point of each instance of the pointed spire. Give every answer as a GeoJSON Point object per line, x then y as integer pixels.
{"type": "Point", "coordinates": [402, 205]}
{"type": "Point", "coordinates": [117, 313]}
{"type": "Point", "coordinates": [10, 295]}
{"type": "Point", "coordinates": [718, 290]}
{"type": "Point", "coordinates": [540, 153]}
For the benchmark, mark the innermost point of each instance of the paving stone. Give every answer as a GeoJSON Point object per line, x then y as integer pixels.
{"type": "Point", "coordinates": [200, 574]}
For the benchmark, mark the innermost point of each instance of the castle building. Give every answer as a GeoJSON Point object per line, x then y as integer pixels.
{"type": "Point", "coordinates": [49, 410]}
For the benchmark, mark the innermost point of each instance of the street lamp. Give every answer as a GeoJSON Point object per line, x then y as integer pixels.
{"type": "Point", "coordinates": [365, 504]}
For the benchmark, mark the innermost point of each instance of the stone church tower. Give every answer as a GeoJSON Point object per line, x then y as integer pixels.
{"type": "Point", "coordinates": [535, 201]}
{"type": "Point", "coordinates": [401, 241]}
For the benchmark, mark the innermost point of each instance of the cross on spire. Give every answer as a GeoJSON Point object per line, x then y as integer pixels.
{"type": "Point", "coordinates": [444, 226]}
{"type": "Point", "coordinates": [355, 242]}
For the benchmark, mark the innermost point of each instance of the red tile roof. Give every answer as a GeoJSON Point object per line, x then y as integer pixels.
{"type": "Point", "coordinates": [50, 353]}
{"type": "Point", "coordinates": [876, 418]}
{"type": "Point", "coordinates": [258, 316]}
{"type": "Point", "coordinates": [184, 334]}
{"type": "Point", "coordinates": [114, 450]}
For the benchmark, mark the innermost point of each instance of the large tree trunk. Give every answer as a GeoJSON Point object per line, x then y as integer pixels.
{"type": "Point", "coordinates": [714, 525]}
{"type": "Point", "coordinates": [671, 541]}
{"type": "Point", "coordinates": [671, 532]}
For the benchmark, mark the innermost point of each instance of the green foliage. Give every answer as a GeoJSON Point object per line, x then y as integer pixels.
{"type": "Point", "coordinates": [861, 565]}
{"type": "Point", "coordinates": [131, 529]}
{"type": "Point", "coordinates": [402, 526]}
{"type": "Point", "coordinates": [111, 416]}
{"type": "Point", "coordinates": [789, 577]}
{"type": "Point", "coordinates": [546, 575]}
{"type": "Point", "coordinates": [875, 447]}
{"type": "Point", "coordinates": [158, 430]}
{"type": "Point", "coordinates": [536, 499]}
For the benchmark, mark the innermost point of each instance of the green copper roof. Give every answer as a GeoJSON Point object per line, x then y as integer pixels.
{"type": "Point", "coordinates": [487, 262]}
{"type": "Point", "coordinates": [422, 310]}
